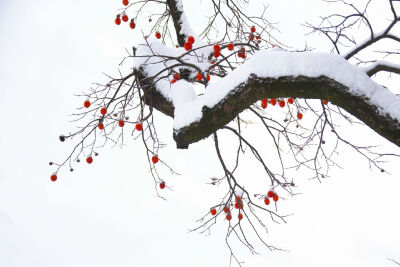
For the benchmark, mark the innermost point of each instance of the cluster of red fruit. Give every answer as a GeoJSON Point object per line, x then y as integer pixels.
{"type": "Point", "coordinates": [189, 43]}
{"type": "Point", "coordinates": [242, 53]}
{"type": "Point", "coordinates": [103, 112]}
{"type": "Point", "coordinates": [282, 103]}
{"type": "Point", "coordinates": [199, 76]}
{"type": "Point", "coordinates": [124, 17]}
{"type": "Point", "coordinates": [227, 211]}
{"type": "Point", "coordinates": [217, 50]}
{"type": "Point", "coordinates": [162, 185]}
{"type": "Point", "coordinates": [252, 34]}
{"type": "Point", "coordinates": [271, 194]}
{"type": "Point", "coordinates": [176, 77]}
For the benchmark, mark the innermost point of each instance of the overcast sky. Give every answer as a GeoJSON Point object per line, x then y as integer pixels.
{"type": "Point", "coordinates": [107, 214]}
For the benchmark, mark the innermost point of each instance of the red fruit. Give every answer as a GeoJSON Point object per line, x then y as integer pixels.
{"type": "Point", "coordinates": [199, 77]}
{"type": "Point", "coordinates": [139, 126]}
{"type": "Point", "coordinates": [229, 217]}
{"type": "Point", "coordinates": [213, 212]}
{"type": "Point", "coordinates": [190, 39]}
{"type": "Point", "coordinates": [258, 37]}
{"type": "Point", "coordinates": [53, 177]}
{"type": "Point", "coordinates": [89, 160]}
{"type": "Point", "coordinates": [101, 126]}
{"type": "Point", "coordinates": [266, 201]}
{"type": "Point", "coordinates": [188, 46]}
{"type": "Point", "coordinates": [230, 46]}
{"type": "Point", "coordinates": [173, 81]}
{"type": "Point", "coordinates": [162, 185]}
{"type": "Point", "coordinates": [243, 49]}
{"type": "Point", "coordinates": [251, 37]}
{"type": "Point", "coordinates": [273, 101]}
{"type": "Point", "coordinates": [299, 115]}
{"type": "Point", "coordinates": [132, 24]}
{"type": "Point", "coordinates": [253, 29]}
{"type": "Point", "coordinates": [226, 209]}
{"type": "Point", "coordinates": [118, 20]}
{"type": "Point", "coordinates": [238, 198]}
{"type": "Point", "coordinates": [177, 76]}
{"type": "Point", "coordinates": [217, 47]}
{"type": "Point", "coordinates": [86, 104]}
{"type": "Point", "coordinates": [208, 77]}
{"type": "Point", "coordinates": [282, 103]}
{"type": "Point", "coordinates": [325, 102]}
{"type": "Point", "coordinates": [290, 100]}
{"type": "Point", "coordinates": [121, 123]}
{"type": "Point", "coordinates": [158, 35]}
{"type": "Point", "coordinates": [154, 159]}
{"type": "Point", "coordinates": [264, 103]}
{"type": "Point", "coordinates": [216, 53]}
{"type": "Point", "coordinates": [275, 198]}
{"type": "Point", "coordinates": [241, 54]}
{"type": "Point", "coordinates": [270, 193]}
{"type": "Point", "coordinates": [240, 216]}
{"type": "Point", "coordinates": [125, 17]}
{"type": "Point", "coordinates": [238, 205]}
{"type": "Point", "coordinates": [125, 2]}
{"type": "Point", "coordinates": [103, 111]}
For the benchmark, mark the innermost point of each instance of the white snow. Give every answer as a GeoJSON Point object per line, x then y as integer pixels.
{"type": "Point", "coordinates": [155, 59]}
{"type": "Point", "coordinates": [380, 62]}
{"type": "Point", "coordinates": [272, 63]}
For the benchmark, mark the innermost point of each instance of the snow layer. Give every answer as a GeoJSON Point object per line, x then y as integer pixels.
{"type": "Point", "coordinates": [380, 62]}
{"type": "Point", "coordinates": [271, 63]}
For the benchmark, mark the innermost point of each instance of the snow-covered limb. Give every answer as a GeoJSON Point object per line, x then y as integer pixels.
{"type": "Point", "coordinates": [274, 73]}
{"type": "Point", "coordinates": [382, 65]}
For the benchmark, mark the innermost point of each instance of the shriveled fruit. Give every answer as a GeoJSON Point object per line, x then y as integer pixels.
{"type": "Point", "coordinates": [162, 185]}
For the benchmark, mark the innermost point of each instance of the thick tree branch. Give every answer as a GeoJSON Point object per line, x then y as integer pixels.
{"type": "Point", "coordinates": [302, 87]}
{"type": "Point", "coordinates": [176, 15]}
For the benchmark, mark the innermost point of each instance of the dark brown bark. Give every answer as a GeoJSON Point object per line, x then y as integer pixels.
{"type": "Point", "coordinates": [176, 17]}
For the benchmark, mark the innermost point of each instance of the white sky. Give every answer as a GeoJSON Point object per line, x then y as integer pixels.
{"type": "Point", "coordinates": [107, 214]}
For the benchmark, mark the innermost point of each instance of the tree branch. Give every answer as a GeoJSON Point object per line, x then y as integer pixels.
{"type": "Point", "coordinates": [382, 66]}
{"type": "Point", "coordinates": [303, 87]}
{"type": "Point", "coordinates": [176, 15]}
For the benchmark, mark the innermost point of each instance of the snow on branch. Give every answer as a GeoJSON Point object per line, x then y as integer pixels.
{"type": "Point", "coordinates": [382, 65]}
{"type": "Point", "coordinates": [269, 73]}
